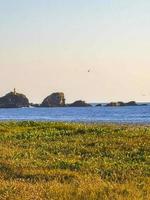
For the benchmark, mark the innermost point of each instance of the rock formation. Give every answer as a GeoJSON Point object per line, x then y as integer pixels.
{"type": "Point", "coordinates": [120, 103]}
{"type": "Point", "coordinates": [14, 100]}
{"type": "Point", "coordinates": [131, 103]}
{"type": "Point", "coordinates": [99, 105]}
{"type": "Point", "coordinates": [80, 104]}
{"type": "Point", "coordinates": [35, 105]}
{"type": "Point", "coordinates": [54, 100]}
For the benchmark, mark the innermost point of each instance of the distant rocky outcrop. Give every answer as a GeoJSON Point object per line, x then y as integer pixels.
{"type": "Point", "coordinates": [14, 100]}
{"type": "Point", "coordinates": [54, 100]}
{"type": "Point", "coordinates": [143, 104]}
{"type": "Point", "coordinates": [35, 105]}
{"type": "Point", "coordinates": [17, 100]}
{"type": "Point", "coordinates": [131, 103]}
{"type": "Point", "coordinates": [99, 105]}
{"type": "Point", "coordinates": [120, 103]}
{"type": "Point", "coordinates": [80, 103]}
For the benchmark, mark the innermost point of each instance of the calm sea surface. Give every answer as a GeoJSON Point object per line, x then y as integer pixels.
{"type": "Point", "coordinates": [129, 114]}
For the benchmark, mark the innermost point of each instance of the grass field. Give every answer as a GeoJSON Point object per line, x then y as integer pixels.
{"type": "Point", "coordinates": [43, 160]}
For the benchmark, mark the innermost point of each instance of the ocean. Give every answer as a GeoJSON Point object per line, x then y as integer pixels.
{"type": "Point", "coordinates": [127, 114]}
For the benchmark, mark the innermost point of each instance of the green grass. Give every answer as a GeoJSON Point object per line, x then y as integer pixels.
{"type": "Point", "coordinates": [47, 160]}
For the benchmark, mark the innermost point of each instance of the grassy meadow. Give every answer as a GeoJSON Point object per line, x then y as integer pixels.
{"type": "Point", "coordinates": [72, 161]}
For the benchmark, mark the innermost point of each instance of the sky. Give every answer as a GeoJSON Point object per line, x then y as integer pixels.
{"type": "Point", "coordinates": [97, 51]}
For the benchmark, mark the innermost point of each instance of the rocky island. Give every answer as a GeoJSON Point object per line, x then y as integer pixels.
{"type": "Point", "coordinates": [14, 100]}
{"type": "Point", "coordinates": [80, 103]}
{"type": "Point", "coordinates": [54, 100]}
{"type": "Point", "coordinates": [120, 103]}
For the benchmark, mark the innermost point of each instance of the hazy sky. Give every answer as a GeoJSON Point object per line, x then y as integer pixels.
{"type": "Point", "coordinates": [49, 45]}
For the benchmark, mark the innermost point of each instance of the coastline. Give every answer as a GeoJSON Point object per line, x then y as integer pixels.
{"type": "Point", "coordinates": [99, 123]}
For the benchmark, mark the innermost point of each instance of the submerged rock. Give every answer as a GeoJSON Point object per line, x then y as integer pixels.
{"type": "Point", "coordinates": [143, 104]}
{"type": "Point", "coordinates": [35, 105]}
{"type": "Point", "coordinates": [54, 100]}
{"type": "Point", "coordinates": [14, 100]}
{"type": "Point", "coordinates": [99, 105]}
{"type": "Point", "coordinates": [80, 103]}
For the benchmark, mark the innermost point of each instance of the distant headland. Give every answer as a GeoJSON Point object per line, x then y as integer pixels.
{"type": "Point", "coordinates": [57, 99]}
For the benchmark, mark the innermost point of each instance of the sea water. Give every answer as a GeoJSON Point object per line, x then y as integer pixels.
{"type": "Point", "coordinates": [127, 114]}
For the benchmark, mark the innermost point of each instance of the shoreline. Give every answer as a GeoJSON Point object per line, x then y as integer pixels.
{"type": "Point", "coordinates": [76, 122]}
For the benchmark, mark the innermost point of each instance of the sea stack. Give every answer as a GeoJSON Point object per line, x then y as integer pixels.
{"type": "Point", "coordinates": [14, 100]}
{"type": "Point", "coordinates": [54, 100]}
